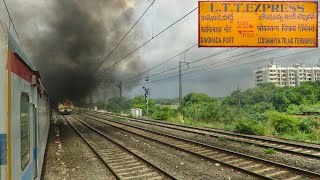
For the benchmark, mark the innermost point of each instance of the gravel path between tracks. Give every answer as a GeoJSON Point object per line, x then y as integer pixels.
{"type": "Point", "coordinates": [68, 157]}
{"type": "Point", "coordinates": [289, 159]}
{"type": "Point", "coordinates": [179, 164]}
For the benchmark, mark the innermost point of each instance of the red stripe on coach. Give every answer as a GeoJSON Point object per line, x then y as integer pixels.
{"type": "Point", "coordinates": [20, 68]}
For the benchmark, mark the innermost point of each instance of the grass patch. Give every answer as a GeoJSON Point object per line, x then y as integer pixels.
{"type": "Point", "coordinates": [119, 119]}
{"type": "Point", "coordinates": [222, 139]}
{"type": "Point", "coordinates": [269, 151]}
{"type": "Point", "coordinates": [277, 125]}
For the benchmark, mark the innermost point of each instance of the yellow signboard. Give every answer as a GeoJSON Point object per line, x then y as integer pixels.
{"type": "Point", "coordinates": [258, 24]}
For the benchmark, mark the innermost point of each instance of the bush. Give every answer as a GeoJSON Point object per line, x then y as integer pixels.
{"type": "Point", "coordinates": [283, 123]}
{"type": "Point", "coordinates": [160, 115]}
{"type": "Point", "coordinates": [293, 109]}
{"type": "Point", "coordinates": [248, 127]}
{"type": "Point", "coordinates": [163, 113]}
{"type": "Point", "coordinates": [308, 125]}
{"type": "Point", "coordinates": [101, 104]}
{"type": "Point", "coordinates": [259, 117]}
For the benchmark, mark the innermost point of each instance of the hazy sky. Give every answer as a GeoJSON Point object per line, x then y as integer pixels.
{"type": "Point", "coordinates": [178, 38]}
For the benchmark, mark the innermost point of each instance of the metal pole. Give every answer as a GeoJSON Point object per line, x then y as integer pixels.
{"type": "Point", "coordinates": [91, 98]}
{"type": "Point", "coordinates": [105, 91]}
{"type": "Point", "coordinates": [239, 100]}
{"type": "Point", "coordinates": [180, 86]}
{"type": "Point", "coordinates": [147, 106]}
{"type": "Point", "coordinates": [146, 96]}
{"type": "Point", "coordinates": [180, 91]}
{"type": "Point", "coordinates": [120, 87]}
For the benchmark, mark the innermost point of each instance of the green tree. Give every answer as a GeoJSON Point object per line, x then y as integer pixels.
{"type": "Point", "coordinates": [139, 102]}
{"type": "Point", "coordinates": [200, 106]}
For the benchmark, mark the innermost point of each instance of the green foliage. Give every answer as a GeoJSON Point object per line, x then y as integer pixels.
{"type": "Point", "coordinates": [269, 151]}
{"type": "Point", "coordinates": [283, 123]}
{"type": "Point", "coordinates": [199, 106]}
{"type": "Point", "coordinates": [308, 125]}
{"type": "Point", "coordinates": [248, 127]}
{"type": "Point", "coordinates": [163, 113]}
{"type": "Point", "coordinates": [265, 109]}
{"type": "Point", "coordinates": [228, 114]}
{"type": "Point", "coordinates": [310, 108]}
{"type": "Point", "coordinates": [260, 107]}
{"type": "Point", "coordinates": [302, 136]}
{"type": "Point", "coordinates": [139, 102]}
{"type": "Point", "coordinates": [167, 101]}
{"type": "Point", "coordinates": [253, 96]}
{"type": "Point", "coordinates": [100, 104]}
{"type": "Point", "coordinates": [222, 139]}
{"type": "Point", "coordinates": [116, 105]}
{"type": "Point", "coordinates": [293, 109]}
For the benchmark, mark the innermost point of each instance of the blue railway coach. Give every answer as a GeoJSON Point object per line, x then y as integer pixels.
{"type": "Point", "coordinates": [24, 113]}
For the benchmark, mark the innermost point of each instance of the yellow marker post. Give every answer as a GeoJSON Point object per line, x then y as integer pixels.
{"type": "Point", "coordinates": [258, 24]}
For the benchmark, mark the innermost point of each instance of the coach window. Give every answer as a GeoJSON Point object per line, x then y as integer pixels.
{"type": "Point", "coordinates": [25, 130]}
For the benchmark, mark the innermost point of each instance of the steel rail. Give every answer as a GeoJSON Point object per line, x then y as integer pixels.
{"type": "Point", "coordinates": [293, 170]}
{"type": "Point", "coordinates": [154, 167]}
{"type": "Point", "coordinates": [265, 138]}
{"type": "Point", "coordinates": [242, 137]}
{"type": "Point", "coordinates": [93, 150]}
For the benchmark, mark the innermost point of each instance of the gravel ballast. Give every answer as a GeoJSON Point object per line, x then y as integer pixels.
{"type": "Point", "coordinates": [284, 158]}
{"type": "Point", "coordinates": [180, 164]}
{"type": "Point", "coordinates": [68, 157]}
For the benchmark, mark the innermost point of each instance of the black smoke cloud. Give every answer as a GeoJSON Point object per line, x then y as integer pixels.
{"type": "Point", "coordinates": [71, 38]}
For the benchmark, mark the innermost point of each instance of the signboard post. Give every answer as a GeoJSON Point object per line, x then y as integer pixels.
{"type": "Point", "coordinates": [258, 24]}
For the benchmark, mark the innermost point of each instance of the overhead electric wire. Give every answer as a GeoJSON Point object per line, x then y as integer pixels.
{"type": "Point", "coordinates": [104, 60]}
{"type": "Point", "coordinates": [115, 63]}
{"type": "Point", "coordinates": [209, 56]}
{"type": "Point", "coordinates": [247, 57]}
{"type": "Point", "coordinates": [203, 66]}
{"type": "Point", "coordinates": [248, 63]}
{"type": "Point", "coordinates": [197, 68]}
{"type": "Point", "coordinates": [233, 66]}
{"type": "Point", "coordinates": [207, 65]}
{"type": "Point", "coordinates": [162, 62]}
{"type": "Point", "coordinates": [200, 59]}
{"type": "Point", "coordinates": [14, 27]}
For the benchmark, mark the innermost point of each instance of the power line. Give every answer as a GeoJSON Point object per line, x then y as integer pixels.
{"type": "Point", "coordinates": [207, 65]}
{"type": "Point", "coordinates": [203, 66]}
{"type": "Point", "coordinates": [115, 63]}
{"type": "Point", "coordinates": [14, 27]}
{"type": "Point", "coordinates": [163, 62]}
{"type": "Point", "coordinates": [252, 62]}
{"type": "Point", "coordinates": [104, 60]}
{"type": "Point", "coordinates": [209, 56]}
{"type": "Point", "coordinates": [229, 62]}
{"type": "Point", "coordinates": [233, 66]}
{"type": "Point", "coordinates": [247, 57]}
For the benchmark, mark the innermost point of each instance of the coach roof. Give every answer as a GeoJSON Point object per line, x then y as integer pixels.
{"type": "Point", "coordinates": [16, 48]}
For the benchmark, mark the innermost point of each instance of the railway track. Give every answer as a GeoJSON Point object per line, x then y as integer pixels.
{"type": "Point", "coordinates": [260, 168]}
{"type": "Point", "coordinates": [123, 163]}
{"type": "Point", "coordinates": [304, 150]}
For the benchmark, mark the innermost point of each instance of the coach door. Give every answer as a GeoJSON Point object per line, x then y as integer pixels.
{"type": "Point", "coordinates": [35, 140]}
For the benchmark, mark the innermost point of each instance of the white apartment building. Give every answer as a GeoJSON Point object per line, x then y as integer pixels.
{"type": "Point", "coordinates": [286, 76]}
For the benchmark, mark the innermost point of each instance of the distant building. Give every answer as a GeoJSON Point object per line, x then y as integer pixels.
{"type": "Point", "coordinates": [286, 76]}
